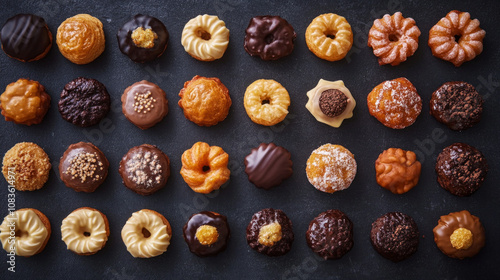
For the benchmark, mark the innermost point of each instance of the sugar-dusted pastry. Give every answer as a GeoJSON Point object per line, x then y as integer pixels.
{"type": "Point", "coordinates": [266, 102]}
{"type": "Point", "coordinates": [144, 104]}
{"type": "Point", "coordinates": [206, 233]}
{"type": "Point", "coordinates": [269, 37]}
{"type": "Point", "coordinates": [330, 102]}
{"type": "Point", "coordinates": [205, 37]}
{"type": "Point", "coordinates": [397, 170]}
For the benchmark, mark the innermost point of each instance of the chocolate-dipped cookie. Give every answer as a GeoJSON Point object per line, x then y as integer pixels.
{"type": "Point", "coordinates": [206, 233]}
{"type": "Point", "coordinates": [459, 235]}
{"type": "Point", "coordinates": [268, 165]}
{"type": "Point", "coordinates": [270, 37]}
{"type": "Point", "coordinates": [143, 38]}
{"type": "Point", "coordinates": [270, 232]}
{"type": "Point", "coordinates": [83, 167]}
{"type": "Point", "coordinates": [461, 169]}
{"type": "Point", "coordinates": [330, 234]}
{"type": "Point", "coordinates": [144, 104]}
{"type": "Point", "coordinates": [457, 105]}
{"type": "Point", "coordinates": [84, 102]}
{"type": "Point", "coordinates": [26, 37]}
{"type": "Point", "coordinates": [144, 169]}
{"type": "Point", "coordinates": [395, 236]}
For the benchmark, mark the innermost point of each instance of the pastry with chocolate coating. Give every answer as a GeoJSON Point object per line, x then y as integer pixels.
{"type": "Point", "coordinates": [24, 102]}
{"type": "Point", "coordinates": [461, 169]}
{"type": "Point", "coordinates": [270, 37]}
{"type": "Point", "coordinates": [145, 169]}
{"type": "Point", "coordinates": [206, 233]}
{"type": "Point", "coordinates": [26, 37]}
{"type": "Point", "coordinates": [143, 38]}
{"type": "Point", "coordinates": [268, 165]}
{"type": "Point", "coordinates": [144, 104]}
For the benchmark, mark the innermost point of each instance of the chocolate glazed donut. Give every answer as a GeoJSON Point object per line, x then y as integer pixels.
{"type": "Point", "coordinates": [213, 219]}
{"type": "Point", "coordinates": [270, 37]}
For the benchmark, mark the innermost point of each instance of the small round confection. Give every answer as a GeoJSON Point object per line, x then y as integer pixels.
{"type": "Point", "coordinates": [457, 104]}
{"type": "Point", "coordinates": [84, 102]}
{"type": "Point", "coordinates": [395, 236]}
{"type": "Point", "coordinates": [83, 167]}
{"type": "Point", "coordinates": [443, 38]}
{"type": "Point", "coordinates": [397, 170]}
{"type": "Point", "coordinates": [393, 38]}
{"type": "Point", "coordinates": [270, 232]}
{"type": "Point", "coordinates": [205, 37]}
{"type": "Point", "coordinates": [26, 166]}
{"type": "Point", "coordinates": [146, 234]}
{"type": "Point", "coordinates": [329, 37]}
{"type": "Point", "coordinates": [145, 169]}
{"type": "Point", "coordinates": [206, 233]}
{"type": "Point", "coordinates": [205, 101]}
{"type": "Point", "coordinates": [266, 102]}
{"type": "Point", "coordinates": [32, 232]}
{"type": "Point", "coordinates": [26, 37]}
{"type": "Point", "coordinates": [80, 38]}
{"type": "Point", "coordinates": [330, 234]}
{"type": "Point", "coordinates": [144, 104]}
{"type": "Point", "coordinates": [395, 103]}
{"type": "Point", "coordinates": [143, 38]}
{"type": "Point", "coordinates": [461, 169]}
{"type": "Point", "coordinates": [24, 102]}
{"type": "Point", "coordinates": [268, 165]}
{"type": "Point", "coordinates": [85, 231]}
{"type": "Point", "coordinates": [270, 37]}
{"type": "Point", "coordinates": [331, 168]}
{"type": "Point", "coordinates": [459, 235]}
{"type": "Point", "coordinates": [330, 102]}
{"type": "Point", "coordinates": [204, 167]}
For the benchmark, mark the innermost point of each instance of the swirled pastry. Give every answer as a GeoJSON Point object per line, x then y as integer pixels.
{"type": "Point", "coordinates": [266, 102]}
{"type": "Point", "coordinates": [205, 37]}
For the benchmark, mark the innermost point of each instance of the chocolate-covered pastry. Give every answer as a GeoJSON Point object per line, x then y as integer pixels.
{"type": "Point", "coordinates": [206, 233]}
{"type": "Point", "coordinates": [145, 169]}
{"type": "Point", "coordinates": [143, 38]}
{"type": "Point", "coordinates": [457, 104]}
{"type": "Point", "coordinates": [84, 102]}
{"type": "Point", "coordinates": [268, 165]}
{"type": "Point", "coordinates": [270, 232]}
{"type": "Point", "coordinates": [459, 235]}
{"type": "Point", "coordinates": [83, 167]}
{"type": "Point", "coordinates": [26, 37]}
{"type": "Point", "coordinates": [144, 104]}
{"type": "Point", "coordinates": [461, 169]}
{"type": "Point", "coordinates": [330, 234]}
{"type": "Point", "coordinates": [270, 37]}
{"type": "Point", "coordinates": [395, 236]}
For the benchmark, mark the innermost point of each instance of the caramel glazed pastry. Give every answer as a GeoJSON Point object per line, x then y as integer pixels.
{"type": "Point", "coordinates": [83, 167]}
{"type": "Point", "coordinates": [32, 229]}
{"type": "Point", "coordinates": [206, 233]}
{"type": "Point", "coordinates": [85, 231]}
{"type": "Point", "coordinates": [459, 235]}
{"type": "Point", "coordinates": [144, 104]}
{"type": "Point", "coordinates": [146, 234]}
{"type": "Point", "coordinates": [330, 102]}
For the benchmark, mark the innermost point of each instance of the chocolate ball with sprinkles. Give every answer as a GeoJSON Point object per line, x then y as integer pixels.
{"type": "Point", "coordinates": [144, 104]}
{"type": "Point", "coordinates": [145, 169]}
{"type": "Point", "coordinates": [83, 167]}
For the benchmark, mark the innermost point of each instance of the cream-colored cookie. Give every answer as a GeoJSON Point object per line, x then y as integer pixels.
{"type": "Point", "coordinates": [205, 37]}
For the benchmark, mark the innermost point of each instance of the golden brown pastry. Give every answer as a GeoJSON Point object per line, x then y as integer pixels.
{"type": "Point", "coordinates": [397, 170]}
{"type": "Point", "coordinates": [266, 102]}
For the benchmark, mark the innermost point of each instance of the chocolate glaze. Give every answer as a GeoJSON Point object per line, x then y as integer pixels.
{"type": "Point", "coordinates": [91, 183]}
{"type": "Point", "coordinates": [138, 54]}
{"type": "Point", "coordinates": [206, 218]}
{"type": "Point", "coordinates": [270, 37]}
{"type": "Point", "coordinates": [149, 119]}
{"type": "Point", "coordinates": [26, 37]}
{"type": "Point", "coordinates": [268, 165]}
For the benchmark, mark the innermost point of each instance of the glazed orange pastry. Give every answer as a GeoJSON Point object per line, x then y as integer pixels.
{"type": "Point", "coordinates": [266, 102]}
{"type": "Point", "coordinates": [397, 170]}
{"type": "Point", "coordinates": [205, 101]}
{"type": "Point", "coordinates": [393, 38]}
{"type": "Point", "coordinates": [204, 167]}
{"type": "Point", "coordinates": [319, 35]}
{"type": "Point", "coordinates": [395, 103]}
{"type": "Point", "coordinates": [443, 42]}
{"type": "Point", "coordinates": [81, 39]}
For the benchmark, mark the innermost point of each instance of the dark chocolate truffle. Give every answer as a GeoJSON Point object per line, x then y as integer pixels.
{"type": "Point", "coordinates": [145, 169]}
{"type": "Point", "coordinates": [268, 165]}
{"type": "Point", "coordinates": [330, 234]}
{"type": "Point", "coordinates": [461, 169]}
{"type": "Point", "coordinates": [333, 102]}
{"type": "Point", "coordinates": [144, 104]}
{"type": "Point", "coordinates": [206, 233]}
{"type": "Point", "coordinates": [457, 105]}
{"type": "Point", "coordinates": [395, 236]}
{"type": "Point", "coordinates": [270, 37]}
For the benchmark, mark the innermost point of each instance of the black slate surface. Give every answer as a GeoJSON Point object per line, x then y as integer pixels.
{"type": "Point", "coordinates": [300, 133]}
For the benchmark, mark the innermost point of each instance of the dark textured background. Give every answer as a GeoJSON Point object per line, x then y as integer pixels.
{"type": "Point", "coordinates": [300, 133]}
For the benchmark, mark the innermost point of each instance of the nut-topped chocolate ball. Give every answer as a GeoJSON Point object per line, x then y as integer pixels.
{"type": "Point", "coordinates": [333, 102]}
